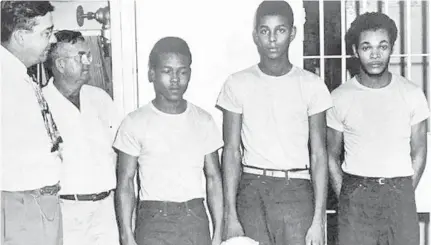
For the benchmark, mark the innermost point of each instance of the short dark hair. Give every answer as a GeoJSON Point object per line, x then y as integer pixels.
{"type": "Point", "coordinates": [63, 36]}
{"type": "Point", "coordinates": [277, 8]}
{"type": "Point", "coordinates": [19, 15]}
{"type": "Point", "coordinates": [370, 21]}
{"type": "Point", "coordinates": [169, 45]}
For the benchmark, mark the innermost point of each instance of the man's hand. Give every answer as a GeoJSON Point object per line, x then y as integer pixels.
{"type": "Point", "coordinates": [233, 228]}
{"type": "Point", "coordinates": [316, 234]}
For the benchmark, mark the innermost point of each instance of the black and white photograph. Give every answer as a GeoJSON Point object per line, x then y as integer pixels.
{"type": "Point", "coordinates": [228, 122]}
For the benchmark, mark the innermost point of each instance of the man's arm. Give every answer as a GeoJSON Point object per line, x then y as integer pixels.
{"type": "Point", "coordinates": [319, 163]}
{"type": "Point", "coordinates": [231, 169]}
{"type": "Point", "coordinates": [418, 145]}
{"type": "Point", "coordinates": [125, 199]}
{"type": "Point", "coordinates": [319, 172]}
{"type": "Point", "coordinates": [214, 194]}
{"type": "Point", "coordinates": [335, 146]}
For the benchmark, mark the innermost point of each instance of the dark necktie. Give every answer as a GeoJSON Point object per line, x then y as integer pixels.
{"type": "Point", "coordinates": [50, 126]}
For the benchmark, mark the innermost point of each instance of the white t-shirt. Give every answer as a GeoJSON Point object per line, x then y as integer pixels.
{"type": "Point", "coordinates": [376, 124]}
{"type": "Point", "coordinates": [275, 112]}
{"type": "Point", "coordinates": [170, 150]}
{"type": "Point", "coordinates": [88, 157]}
{"type": "Point", "coordinates": [27, 162]}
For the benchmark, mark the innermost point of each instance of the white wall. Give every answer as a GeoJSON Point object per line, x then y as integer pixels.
{"type": "Point", "coordinates": [219, 34]}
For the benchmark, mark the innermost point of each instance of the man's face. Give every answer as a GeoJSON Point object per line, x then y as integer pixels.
{"type": "Point", "coordinates": [171, 76]}
{"type": "Point", "coordinates": [273, 35]}
{"type": "Point", "coordinates": [373, 51]}
{"type": "Point", "coordinates": [36, 43]}
{"type": "Point", "coordinates": [75, 61]}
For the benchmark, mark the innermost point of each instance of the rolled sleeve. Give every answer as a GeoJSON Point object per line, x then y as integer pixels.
{"type": "Point", "coordinates": [229, 97]}
{"type": "Point", "coordinates": [214, 139]}
{"type": "Point", "coordinates": [420, 108]}
{"type": "Point", "coordinates": [126, 140]}
{"type": "Point", "coordinates": [320, 98]}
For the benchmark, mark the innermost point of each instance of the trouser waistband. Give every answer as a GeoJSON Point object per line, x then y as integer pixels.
{"type": "Point", "coordinates": [171, 205]}
{"type": "Point", "coordinates": [46, 190]}
{"type": "Point", "coordinates": [379, 180]}
{"type": "Point", "coordinates": [296, 173]}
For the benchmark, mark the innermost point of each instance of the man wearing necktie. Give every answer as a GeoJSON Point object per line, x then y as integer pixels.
{"type": "Point", "coordinates": [30, 141]}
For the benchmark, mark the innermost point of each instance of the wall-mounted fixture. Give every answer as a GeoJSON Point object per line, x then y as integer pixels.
{"type": "Point", "coordinates": [102, 15]}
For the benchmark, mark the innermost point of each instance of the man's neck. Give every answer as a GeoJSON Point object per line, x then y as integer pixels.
{"type": "Point", "coordinates": [70, 93]}
{"type": "Point", "coordinates": [275, 67]}
{"type": "Point", "coordinates": [375, 82]}
{"type": "Point", "coordinates": [170, 107]}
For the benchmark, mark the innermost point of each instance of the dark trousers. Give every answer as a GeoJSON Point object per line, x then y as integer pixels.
{"type": "Point", "coordinates": [172, 223]}
{"type": "Point", "coordinates": [275, 211]}
{"type": "Point", "coordinates": [373, 212]}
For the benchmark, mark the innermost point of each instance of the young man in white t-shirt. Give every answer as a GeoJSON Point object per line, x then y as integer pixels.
{"type": "Point", "coordinates": [174, 142]}
{"type": "Point", "coordinates": [379, 119]}
{"type": "Point", "coordinates": [276, 110]}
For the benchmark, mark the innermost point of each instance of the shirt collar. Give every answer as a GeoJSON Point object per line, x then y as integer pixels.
{"type": "Point", "coordinates": [51, 92]}
{"type": "Point", "coordinates": [12, 63]}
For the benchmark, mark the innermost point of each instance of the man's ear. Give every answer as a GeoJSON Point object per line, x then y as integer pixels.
{"type": "Point", "coordinates": [293, 33]}
{"type": "Point", "coordinates": [151, 74]}
{"type": "Point", "coordinates": [355, 51]}
{"type": "Point", "coordinates": [59, 65]}
{"type": "Point", "coordinates": [18, 37]}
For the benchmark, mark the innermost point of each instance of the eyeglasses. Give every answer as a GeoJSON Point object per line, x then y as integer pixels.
{"type": "Point", "coordinates": [84, 58]}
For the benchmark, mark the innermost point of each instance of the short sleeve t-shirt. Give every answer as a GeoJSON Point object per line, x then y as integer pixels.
{"type": "Point", "coordinates": [376, 125]}
{"type": "Point", "coordinates": [275, 112]}
{"type": "Point", "coordinates": [170, 150]}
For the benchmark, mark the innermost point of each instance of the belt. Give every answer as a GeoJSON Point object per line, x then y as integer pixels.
{"type": "Point", "coordinates": [296, 173]}
{"type": "Point", "coordinates": [172, 205]}
{"type": "Point", "coordinates": [50, 190]}
{"type": "Point", "coordinates": [379, 180]}
{"type": "Point", "coordinates": [87, 197]}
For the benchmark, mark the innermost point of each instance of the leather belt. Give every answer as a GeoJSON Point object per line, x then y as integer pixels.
{"type": "Point", "coordinates": [87, 197]}
{"type": "Point", "coordinates": [379, 180]}
{"type": "Point", "coordinates": [289, 173]}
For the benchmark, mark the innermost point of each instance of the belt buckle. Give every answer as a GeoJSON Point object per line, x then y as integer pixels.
{"type": "Point", "coordinates": [381, 181]}
{"type": "Point", "coordinates": [93, 197]}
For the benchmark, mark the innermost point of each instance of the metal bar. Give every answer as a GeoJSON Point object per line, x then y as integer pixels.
{"type": "Point", "coordinates": [402, 32]}
{"type": "Point", "coordinates": [350, 56]}
{"type": "Point", "coordinates": [357, 7]}
{"type": "Point", "coordinates": [322, 39]}
{"type": "Point", "coordinates": [343, 42]}
{"type": "Point", "coordinates": [379, 6]}
{"type": "Point", "coordinates": [409, 38]}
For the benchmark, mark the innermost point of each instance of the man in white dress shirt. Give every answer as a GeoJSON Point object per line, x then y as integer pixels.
{"type": "Point", "coordinates": [30, 141]}
{"type": "Point", "coordinates": [87, 118]}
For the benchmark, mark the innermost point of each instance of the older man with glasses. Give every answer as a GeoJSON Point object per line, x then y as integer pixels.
{"type": "Point", "coordinates": [87, 118]}
{"type": "Point", "coordinates": [30, 141]}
